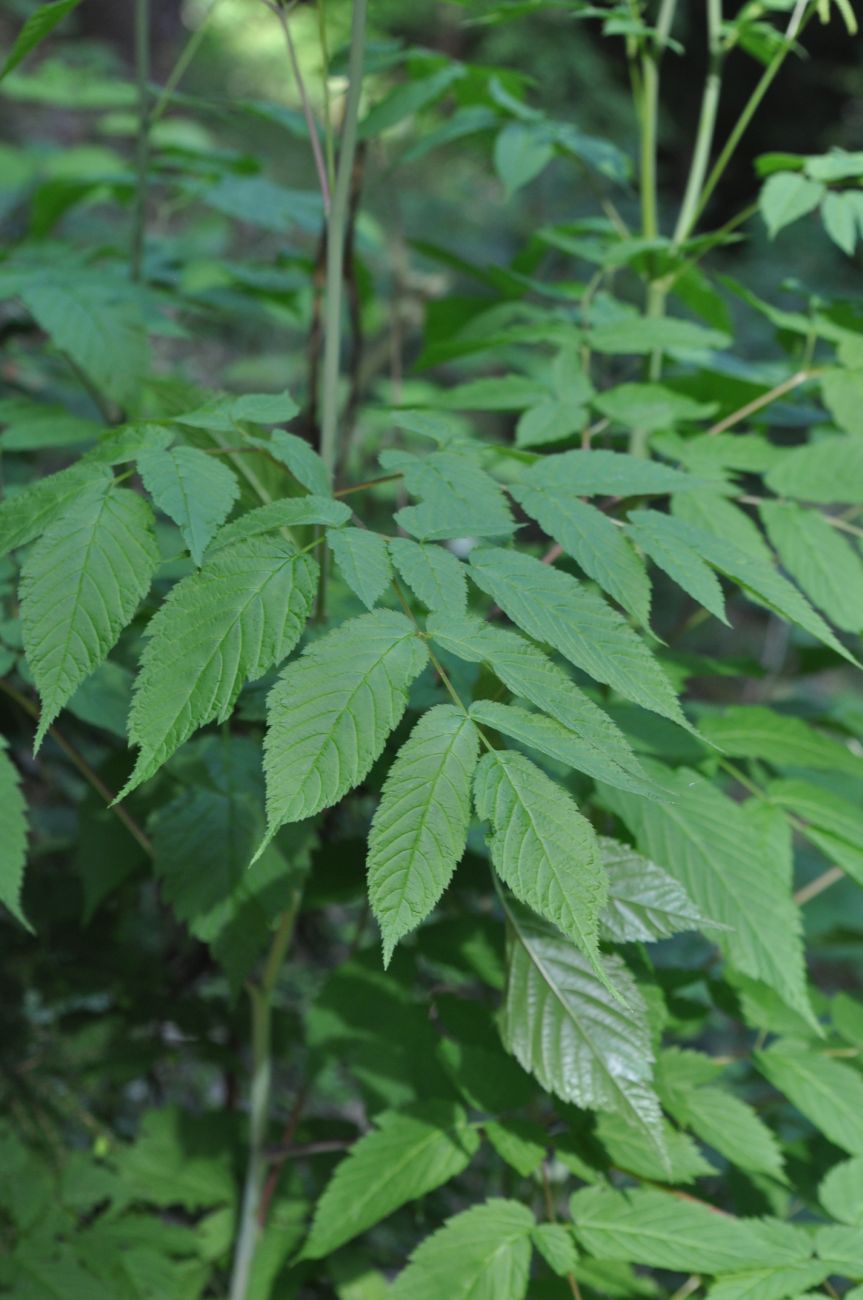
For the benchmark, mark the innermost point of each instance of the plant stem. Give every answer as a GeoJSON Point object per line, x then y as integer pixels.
{"type": "Point", "coordinates": [311, 124]}
{"type": "Point", "coordinates": [653, 52]}
{"type": "Point", "coordinates": [336, 227]}
{"type": "Point", "coordinates": [185, 57]}
{"type": "Point", "coordinates": [706, 125]}
{"type": "Point", "coordinates": [329, 145]}
{"type": "Point", "coordinates": [142, 74]}
{"type": "Point", "coordinates": [798, 19]}
{"type": "Point", "coordinates": [261, 998]}
{"type": "Point", "coordinates": [758, 403]}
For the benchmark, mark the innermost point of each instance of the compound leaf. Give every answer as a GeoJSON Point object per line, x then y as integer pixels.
{"type": "Point", "coordinates": [480, 1254]}
{"type": "Point", "coordinates": [192, 488]}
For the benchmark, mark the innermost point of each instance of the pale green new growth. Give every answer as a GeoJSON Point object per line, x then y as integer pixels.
{"type": "Point", "coordinates": [419, 831]}
{"type": "Point", "coordinates": [363, 561]}
{"type": "Point", "coordinates": [554, 607]}
{"type": "Point", "coordinates": [192, 488]}
{"type": "Point", "coordinates": [80, 586]}
{"type": "Point", "coordinates": [541, 846]}
{"type": "Point", "coordinates": [226, 624]}
{"type": "Point", "coordinates": [331, 711]}
{"type": "Point", "coordinates": [561, 1024]}
{"type": "Point", "coordinates": [404, 1157]}
{"type": "Point", "coordinates": [481, 1254]}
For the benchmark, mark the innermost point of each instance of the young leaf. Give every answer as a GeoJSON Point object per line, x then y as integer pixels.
{"type": "Point", "coordinates": [828, 1092]}
{"type": "Point", "coordinates": [645, 334]}
{"type": "Point", "coordinates": [661, 1231]}
{"type": "Point", "coordinates": [644, 902]}
{"type": "Point", "coordinates": [542, 846]}
{"type": "Point", "coordinates": [841, 1192]}
{"type": "Point", "coordinates": [520, 1142]}
{"type": "Point", "coordinates": [240, 614]}
{"type": "Point", "coordinates": [786, 197]}
{"type": "Point", "coordinates": [81, 585]}
{"type": "Point", "coordinates": [331, 711]}
{"type": "Point", "coordinates": [419, 831]}
{"type": "Point", "coordinates": [304, 463]}
{"type": "Point", "coordinates": [290, 512]}
{"type": "Point", "coordinates": [530, 674]}
{"type": "Point", "coordinates": [192, 488]}
{"type": "Point", "coordinates": [433, 574]}
{"type": "Point", "coordinates": [363, 561]}
{"type": "Point", "coordinates": [554, 607]}
{"type": "Point", "coordinates": [650, 407]}
{"type": "Point", "coordinates": [481, 1254]}
{"type": "Point", "coordinates": [555, 1243]}
{"type": "Point", "coordinates": [820, 559]}
{"type": "Point", "coordinates": [28, 513]}
{"type": "Point", "coordinates": [840, 216]}
{"type": "Point", "coordinates": [520, 153]}
{"type": "Point", "coordinates": [405, 1156]}
{"type": "Point", "coordinates": [560, 1023]}
{"type": "Point", "coordinates": [595, 543]}
{"type": "Point", "coordinates": [39, 25]}
{"type": "Point", "coordinates": [707, 843]}
{"type": "Point", "coordinates": [720, 517]}
{"type": "Point", "coordinates": [682, 563]}
{"type": "Point", "coordinates": [13, 837]}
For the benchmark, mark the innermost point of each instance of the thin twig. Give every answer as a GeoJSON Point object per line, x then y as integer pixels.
{"type": "Point", "coordinates": [758, 403]}
{"type": "Point", "coordinates": [311, 124]}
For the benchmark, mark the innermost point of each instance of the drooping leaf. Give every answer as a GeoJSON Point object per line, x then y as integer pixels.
{"type": "Point", "coordinates": [828, 1092]}
{"type": "Point", "coordinates": [530, 674]}
{"type": "Point", "coordinates": [363, 561]}
{"type": "Point", "coordinates": [557, 1247]}
{"type": "Point", "coordinates": [820, 559]}
{"type": "Point", "coordinates": [28, 512]}
{"type": "Point", "coordinates": [681, 562]}
{"type": "Point", "coordinates": [192, 488]}
{"type": "Point", "coordinates": [291, 512]}
{"type": "Point", "coordinates": [753, 731]}
{"type": "Point", "coordinates": [716, 515]}
{"type": "Point", "coordinates": [596, 544]}
{"type": "Point", "coordinates": [560, 1023]}
{"type": "Point", "coordinates": [644, 903]}
{"type": "Point", "coordinates": [81, 585]}
{"type": "Point", "coordinates": [240, 614]}
{"type": "Point", "coordinates": [419, 831]}
{"type": "Point", "coordinates": [786, 197]}
{"type": "Point", "coordinates": [840, 215]}
{"type": "Point", "coordinates": [554, 607]}
{"type": "Point", "coordinates": [39, 25]}
{"type": "Point", "coordinates": [405, 1156]}
{"type": "Point", "coordinates": [13, 836]}
{"type": "Point", "coordinates": [481, 1254]}
{"type": "Point", "coordinates": [541, 846]}
{"type": "Point", "coordinates": [704, 839]}
{"type": "Point", "coordinates": [662, 1231]}
{"type": "Point", "coordinates": [433, 574]}
{"type": "Point", "coordinates": [331, 711]}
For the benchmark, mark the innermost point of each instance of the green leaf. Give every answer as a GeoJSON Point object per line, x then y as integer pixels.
{"type": "Point", "coordinates": [595, 543]}
{"type": "Point", "coordinates": [554, 1242]}
{"type": "Point", "coordinates": [81, 585]}
{"type": "Point", "coordinates": [240, 614]}
{"type": "Point", "coordinates": [542, 846]}
{"type": "Point", "coordinates": [304, 463]}
{"type": "Point", "coordinates": [264, 408]}
{"type": "Point", "coordinates": [841, 1247]}
{"type": "Point", "coordinates": [481, 1254]}
{"type": "Point", "coordinates": [663, 1231]}
{"type": "Point", "coordinates": [551, 737]}
{"type": "Point", "coordinates": [405, 1156]}
{"type": "Point", "coordinates": [408, 99]}
{"type": "Point", "coordinates": [630, 1148]}
{"type": "Point", "coordinates": [820, 560]}
{"type": "Point", "coordinates": [786, 197]}
{"type": "Point", "coordinates": [291, 512]}
{"type": "Point", "coordinates": [520, 1142]}
{"type": "Point", "coordinates": [720, 517]}
{"type": "Point", "coordinates": [560, 1023]}
{"type": "Point", "coordinates": [708, 844]}
{"type": "Point", "coordinates": [419, 831]}
{"type": "Point", "coordinates": [331, 711]}
{"type": "Point", "coordinates": [828, 1092]}
{"type": "Point", "coordinates": [608, 473]}
{"type": "Point", "coordinates": [771, 1283]}
{"type": "Point", "coordinates": [39, 25]}
{"type": "Point", "coordinates": [644, 902]}
{"type": "Point", "coordinates": [192, 488]}
{"type": "Point", "coordinates": [550, 421]}
{"type": "Point", "coordinates": [363, 561]}
{"type": "Point", "coordinates": [457, 499]}
{"type": "Point", "coordinates": [554, 607]}
{"type": "Point", "coordinates": [167, 1166]}
{"type": "Point", "coordinates": [13, 836]}
{"type": "Point", "coordinates": [520, 153]}
{"type": "Point", "coordinates": [433, 574]}
{"type": "Point", "coordinates": [682, 563]}
{"type": "Point", "coordinates": [834, 824]}
{"type": "Point", "coordinates": [841, 219]}
{"type": "Point", "coordinates": [753, 731]}
{"type": "Point", "coordinates": [828, 471]}
{"type": "Point", "coordinates": [724, 1122]}
{"type": "Point", "coordinates": [841, 1192]}
{"type": "Point", "coordinates": [645, 334]}
{"type": "Point", "coordinates": [650, 407]}
{"type": "Point", "coordinates": [530, 674]}
{"type": "Point", "coordinates": [842, 391]}
{"type": "Point", "coordinates": [28, 512]}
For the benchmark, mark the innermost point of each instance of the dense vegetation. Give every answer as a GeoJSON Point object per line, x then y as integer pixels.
{"type": "Point", "coordinates": [431, 802]}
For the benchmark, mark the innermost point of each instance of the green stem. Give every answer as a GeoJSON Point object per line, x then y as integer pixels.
{"type": "Point", "coordinates": [653, 52]}
{"type": "Point", "coordinates": [184, 59]}
{"type": "Point", "coordinates": [142, 74]}
{"type": "Point", "coordinates": [798, 19]}
{"type": "Point", "coordinates": [261, 997]}
{"type": "Point", "coordinates": [329, 144]}
{"type": "Point", "coordinates": [308, 115]}
{"type": "Point", "coordinates": [706, 125]}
